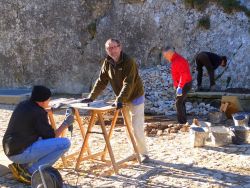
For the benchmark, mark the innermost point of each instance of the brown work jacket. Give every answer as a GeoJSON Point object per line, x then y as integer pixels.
{"type": "Point", "coordinates": [123, 77]}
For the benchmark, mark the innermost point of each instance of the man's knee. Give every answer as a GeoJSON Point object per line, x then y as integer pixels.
{"type": "Point", "coordinates": [65, 143]}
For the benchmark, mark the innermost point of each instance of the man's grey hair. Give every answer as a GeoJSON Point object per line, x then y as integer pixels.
{"type": "Point", "coordinates": [167, 48]}
{"type": "Point", "coordinates": [114, 40]}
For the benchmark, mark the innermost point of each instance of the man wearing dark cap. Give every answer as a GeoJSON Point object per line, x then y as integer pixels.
{"type": "Point", "coordinates": [29, 140]}
{"type": "Point", "coordinates": [211, 61]}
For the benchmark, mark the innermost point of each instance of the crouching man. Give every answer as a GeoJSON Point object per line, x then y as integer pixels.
{"type": "Point", "coordinates": [29, 140]}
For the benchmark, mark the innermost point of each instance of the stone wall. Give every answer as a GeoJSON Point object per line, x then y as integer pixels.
{"type": "Point", "coordinates": [60, 43]}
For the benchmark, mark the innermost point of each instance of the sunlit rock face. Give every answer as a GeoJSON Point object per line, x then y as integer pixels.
{"type": "Point", "coordinates": [60, 43]}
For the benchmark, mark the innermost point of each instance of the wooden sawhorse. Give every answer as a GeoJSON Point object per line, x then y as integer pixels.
{"type": "Point", "coordinates": [82, 130]}
{"type": "Point", "coordinates": [98, 112]}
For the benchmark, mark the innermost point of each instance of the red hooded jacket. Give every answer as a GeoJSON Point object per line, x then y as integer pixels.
{"type": "Point", "coordinates": [180, 71]}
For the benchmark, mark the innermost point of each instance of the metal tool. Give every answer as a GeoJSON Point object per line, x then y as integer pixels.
{"type": "Point", "coordinates": [70, 111]}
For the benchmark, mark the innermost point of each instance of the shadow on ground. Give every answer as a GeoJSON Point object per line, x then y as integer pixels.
{"type": "Point", "coordinates": [178, 171]}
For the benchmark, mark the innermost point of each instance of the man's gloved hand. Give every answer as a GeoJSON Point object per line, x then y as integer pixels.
{"type": "Point", "coordinates": [86, 100]}
{"type": "Point", "coordinates": [69, 120]}
{"type": "Point", "coordinates": [179, 91]}
{"type": "Point", "coordinates": [118, 105]}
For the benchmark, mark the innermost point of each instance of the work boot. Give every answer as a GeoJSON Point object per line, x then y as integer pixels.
{"type": "Point", "coordinates": [20, 173]}
{"type": "Point", "coordinates": [145, 158]}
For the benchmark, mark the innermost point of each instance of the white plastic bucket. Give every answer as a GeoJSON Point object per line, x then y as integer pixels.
{"type": "Point", "coordinates": [198, 137]}
{"type": "Point", "coordinates": [241, 119]}
{"type": "Point", "coordinates": [221, 136]}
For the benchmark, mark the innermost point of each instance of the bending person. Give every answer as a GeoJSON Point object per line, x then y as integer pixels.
{"type": "Point", "coordinates": [211, 61]}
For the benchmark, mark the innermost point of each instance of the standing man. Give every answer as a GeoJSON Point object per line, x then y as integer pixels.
{"type": "Point", "coordinates": [29, 140]}
{"type": "Point", "coordinates": [211, 61]}
{"type": "Point", "coordinates": [121, 71]}
{"type": "Point", "coordinates": [182, 81]}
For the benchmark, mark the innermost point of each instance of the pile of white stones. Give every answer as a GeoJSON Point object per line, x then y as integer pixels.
{"type": "Point", "coordinates": [160, 95]}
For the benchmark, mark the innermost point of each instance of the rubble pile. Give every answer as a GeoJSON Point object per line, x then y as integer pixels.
{"type": "Point", "coordinates": [159, 128]}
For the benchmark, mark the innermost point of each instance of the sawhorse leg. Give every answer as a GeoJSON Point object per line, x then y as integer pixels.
{"type": "Point", "coordinates": [116, 113]}
{"type": "Point", "coordinates": [85, 142]}
{"type": "Point", "coordinates": [106, 137]}
{"type": "Point", "coordinates": [80, 124]}
{"type": "Point", "coordinates": [79, 121]}
{"type": "Point", "coordinates": [53, 124]}
{"type": "Point", "coordinates": [51, 119]}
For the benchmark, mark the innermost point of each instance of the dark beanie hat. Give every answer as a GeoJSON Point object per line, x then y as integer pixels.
{"type": "Point", "coordinates": [40, 93]}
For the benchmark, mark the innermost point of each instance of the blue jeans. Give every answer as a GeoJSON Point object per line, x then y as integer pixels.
{"type": "Point", "coordinates": [43, 151]}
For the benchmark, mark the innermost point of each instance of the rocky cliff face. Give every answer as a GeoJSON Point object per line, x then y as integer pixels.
{"type": "Point", "coordinates": [60, 43]}
{"type": "Point", "coordinates": [245, 3]}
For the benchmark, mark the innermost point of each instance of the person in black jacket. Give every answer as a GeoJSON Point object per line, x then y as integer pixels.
{"type": "Point", "coordinates": [29, 140]}
{"type": "Point", "coordinates": [211, 61]}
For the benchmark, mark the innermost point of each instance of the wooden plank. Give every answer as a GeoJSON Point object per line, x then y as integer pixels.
{"type": "Point", "coordinates": [83, 106]}
{"type": "Point", "coordinates": [129, 158]}
{"type": "Point", "coordinates": [85, 142]}
{"type": "Point", "coordinates": [207, 95]}
{"type": "Point", "coordinates": [80, 124]}
{"type": "Point", "coordinates": [107, 136]}
{"type": "Point", "coordinates": [51, 119]}
{"type": "Point", "coordinates": [111, 154]}
{"type": "Point", "coordinates": [93, 156]}
{"type": "Point", "coordinates": [111, 132]}
{"type": "Point", "coordinates": [72, 155]}
{"type": "Point", "coordinates": [53, 125]}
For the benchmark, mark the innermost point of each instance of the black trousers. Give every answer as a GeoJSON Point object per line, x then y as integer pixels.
{"type": "Point", "coordinates": [180, 103]}
{"type": "Point", "coordinates": [203, 60]}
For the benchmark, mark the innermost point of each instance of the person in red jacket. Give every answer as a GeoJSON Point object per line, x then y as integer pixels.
{"type": "Point", "coordinates": [182, 81]}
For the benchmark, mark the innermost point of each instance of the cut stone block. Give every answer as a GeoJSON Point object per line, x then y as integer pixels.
{"type": "Point", "coordinates": [14, 96]}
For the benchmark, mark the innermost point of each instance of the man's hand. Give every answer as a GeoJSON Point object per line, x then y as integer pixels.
{"type": "Point", "coordinates": [86, 100]}
{"type": "Point", "coordinates": [118, 105]}
{"type": "Point", "coordinates": [179, 91]}
{"type": "Point", "coordinates": [56, 106]}
{"type": "Point", "coordinates": [69, 120]}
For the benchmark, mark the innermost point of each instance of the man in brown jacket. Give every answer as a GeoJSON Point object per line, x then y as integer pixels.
{"type": "Point", "coordinates": [121, 72]}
